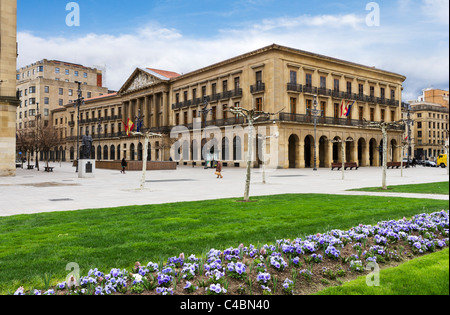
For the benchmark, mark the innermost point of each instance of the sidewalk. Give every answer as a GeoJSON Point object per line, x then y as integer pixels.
{"type": "Point", "coordinates": [31, 191]}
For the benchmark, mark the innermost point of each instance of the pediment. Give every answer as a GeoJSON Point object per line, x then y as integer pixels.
{"type": "Point", "coordinates": [139, 80]}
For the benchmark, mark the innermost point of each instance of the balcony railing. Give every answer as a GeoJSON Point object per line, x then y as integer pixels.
{"type": "Point", "coordinates": [209, 98]}
{"type": "Point", "coordinates": [308, 119]}
{"type": "Point", "coordinates": [299, 88]}
{"type": "Point", "coordinates": [258, 87]}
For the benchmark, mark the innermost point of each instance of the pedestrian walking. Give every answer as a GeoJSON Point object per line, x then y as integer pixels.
{"type": "Point", "coordinates": [219, 170]}
{"type": "Point", "coordinates": [124, 165]}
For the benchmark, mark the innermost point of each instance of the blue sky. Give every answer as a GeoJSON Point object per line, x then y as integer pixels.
{"type": "Point", "coordinates": [411, 38]}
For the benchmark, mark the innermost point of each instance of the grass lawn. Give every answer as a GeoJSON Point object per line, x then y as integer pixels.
{"type": "Point", "coordinates": [426, 275]}
{"type": "Point", "coordinates": [441, 188]}
{"type": "Point", "coordinates": [35, 245]}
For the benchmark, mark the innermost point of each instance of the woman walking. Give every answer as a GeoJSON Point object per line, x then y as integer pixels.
{"type": "Point", "coordinates": [219, 170]}
{"type": "Point", "coordinates": [124, 165]}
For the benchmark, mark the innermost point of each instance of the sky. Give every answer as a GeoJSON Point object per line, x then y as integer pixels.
{"type": "Point", "coordinates": [409, 37]}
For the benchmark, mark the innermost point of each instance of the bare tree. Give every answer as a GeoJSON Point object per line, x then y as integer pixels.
{"type": "Point", "coordinates": [48, 139]}
{"type": "Point", "coordinates": [384, 127]}
{"type": "Point", "coordinates": [25, 142]}
{"type": "Point", "coordinates": [251, 116]}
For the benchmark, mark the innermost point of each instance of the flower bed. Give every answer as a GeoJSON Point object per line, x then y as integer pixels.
{"type": "Point", "coordinates": [299, 266]}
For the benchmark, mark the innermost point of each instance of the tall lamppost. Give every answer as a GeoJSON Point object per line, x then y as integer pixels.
{"type": "Point", "coordinates": [409, 122]}
{"type": "Point", "coordinates": [315, 113]}
{"type": "Point", "coordinates": [205, 111]}
{"type": "Point", "coordinates": [78, 102]}
{"type": "Point", "coordinates": [38, 117]}
{"type": "Point", "coordinates": [99, 129]}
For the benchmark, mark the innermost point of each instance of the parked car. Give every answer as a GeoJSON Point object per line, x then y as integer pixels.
{"type": "Point", "coordinates": [430, 164]}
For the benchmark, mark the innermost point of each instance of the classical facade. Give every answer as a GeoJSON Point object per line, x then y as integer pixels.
{"type": "Point", "coordinates": [281, 80]}
{"type": "Point", "coordinates": [431, 119]}
{"type": "Point", "coordinates": [8, 99]}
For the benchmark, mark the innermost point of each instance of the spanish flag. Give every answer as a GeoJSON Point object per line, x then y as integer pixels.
{"type": "Point", "coordinates": [128, 127]}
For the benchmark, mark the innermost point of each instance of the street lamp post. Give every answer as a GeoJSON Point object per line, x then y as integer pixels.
{"type": "Point", "coordinates": [409, 122]}
{"type": "Point", "coordinates": [38, 117]}
{"type": "Point", "coordinates": [99, 129]}
{"type": "Point", "coordinates": [315, 113]}
{"type": "Point", "coordinates": [78, 102]}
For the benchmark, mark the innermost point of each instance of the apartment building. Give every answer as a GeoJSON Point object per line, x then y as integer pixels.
{"type": "Point", "coordinates": [46, 85]}
{"type": "Point", "coordinates": [430, 113]}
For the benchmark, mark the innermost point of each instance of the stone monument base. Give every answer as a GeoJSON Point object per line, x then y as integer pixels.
{"type": "Point", "coordinates": [86, 169]}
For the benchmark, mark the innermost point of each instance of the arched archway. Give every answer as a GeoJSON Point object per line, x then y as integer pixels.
{"type": "Point", "coordinates": [294, 153]}
{"type": "Point", "coordinates": [373, 152]}
{"type": "Point", "coordinates": [362, 152]}
{"type": "Point", "coordinates": [337, 148]}
{"type": "Point", "coordinates": [140, 152]}
{"type": "Point", "coordinates": [113, 153]}
{"type": "Point", "coordinates": [237, 148]}
{"type": "Point", "coordinates": [225, 149]}
{"type": "Point", "coordinates": [105, 153]}
{"type": "Point", "coordinates": [393, 151]}
{"type": "Point", "coordinates": [309, 151]}
{"type": "Point", "coordinates": [132, 152]}
{"type": "Point", "coordinates": [99, 153]}
{"type": "Point", "coordinates": [323, 151]}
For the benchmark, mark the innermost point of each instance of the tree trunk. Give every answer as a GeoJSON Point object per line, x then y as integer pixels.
{"type": "Point", "coordinates": [249, 161]}
{"type": "Point", "coordinates": [384, 186]}
{"type": "Point", "coordinates": [144, 163]}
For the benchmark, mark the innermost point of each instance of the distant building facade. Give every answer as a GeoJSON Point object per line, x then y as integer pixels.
{"type": "Point", "coordinates": [274, 79]}
{"type": "Point", "coordinates": [8, 99]}
{"type": "Point", "coordinates": [430, 113]}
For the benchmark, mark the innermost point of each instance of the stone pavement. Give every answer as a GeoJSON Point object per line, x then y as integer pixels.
{"type": "Point", "coordinates": [31, 191]}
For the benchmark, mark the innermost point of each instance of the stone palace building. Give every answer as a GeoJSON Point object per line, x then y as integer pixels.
{"type": "Point", "coordinates": [284, 81]}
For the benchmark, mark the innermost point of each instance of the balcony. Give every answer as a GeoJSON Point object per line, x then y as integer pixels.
{"type": "Point", "coordinates": [294, 87]}
{"type": "Point", "coordinates": [258, 88]}
{"type": "Point", "coordinates": [308, 119]}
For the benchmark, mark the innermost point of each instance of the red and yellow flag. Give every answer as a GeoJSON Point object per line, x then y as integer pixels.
{"type": "Point", "coordinates": [128, 126]}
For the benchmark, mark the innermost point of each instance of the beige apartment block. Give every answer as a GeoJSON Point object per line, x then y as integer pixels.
{"type": "Point", "coordinates": [431, 122]}
{"type": "Point", "coordinates": [275, 79]}
{"type": "Point", "coordinates": [8, 99]}
{"type": "Point", "coordinates": [47, 85]}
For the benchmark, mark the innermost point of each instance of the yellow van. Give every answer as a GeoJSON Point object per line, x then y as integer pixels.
{"type": "Point", "coordinates": [442, 160]}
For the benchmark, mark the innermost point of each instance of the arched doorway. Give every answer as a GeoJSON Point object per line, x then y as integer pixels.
{"type": "Point", "coordinates": [293, 151]}
{"type": "Point", "coordinates": [132, 152]}
{"type": "Point", "coordinates": [237, 148]}
{"type": "Point", "coordinates": [361, 152]}
{"type": "Point", "coordinates": [113, 153]}
{"type": "Point", "coordinates": [140, 152]}
{"type": "Point", "coordinates": [393, 151]}
{"type": "Point", "coordinates": [105, 153]}
{"type": "Point", "coordinates": [323, 151]}
{"type": "Point", "coordinates": [373, 147]}
{"type": "Point", "coordinates": [225, 149]}
{"type": "Point", "coordinates": [99, 153]}
{"type": "Point", "coordinates": [337, 148]}
{"type": "Point", "coordinates": [309, 151]}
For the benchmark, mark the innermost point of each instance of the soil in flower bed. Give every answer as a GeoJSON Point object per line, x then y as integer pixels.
{"type": "Point", "coordinates": [310, 264]}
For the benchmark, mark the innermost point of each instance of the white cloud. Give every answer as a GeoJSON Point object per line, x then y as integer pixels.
{"type": "Point", "coordinates": [437, 10]}
{"type": "Point", "coordinates": [395, 48]}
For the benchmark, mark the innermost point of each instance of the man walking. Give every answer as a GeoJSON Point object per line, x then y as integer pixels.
{"type": "Point", "coordinates": [219, 170]}
{"type": "Point", "coordinates": [124, 165]}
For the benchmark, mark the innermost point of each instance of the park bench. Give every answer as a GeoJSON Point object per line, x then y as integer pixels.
{"type": "Point", "coordinates": [49, 169]}
{"type": "Point", "coordinates": [394, 164]}
{"type": "Point", "coordinates": [336, 165]}
{"type": "Point", "coordinates": [351, 165]}
{"type": "Point", "coordinates": [30, 167]}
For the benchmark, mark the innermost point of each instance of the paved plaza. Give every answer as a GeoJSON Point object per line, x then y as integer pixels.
{"type": "Point", "coordinates": [31, 191]}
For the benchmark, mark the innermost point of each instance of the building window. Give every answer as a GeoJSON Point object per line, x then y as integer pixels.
{"type": "Point", "coordinates": [70, 92]}
{"type": "Point", "coordinates": [323, 108]}
{"type": "Point", "coordinates": [258, 77]}
{"type": "Point", "coordinates": [61, 102]}
{"type": "Point", "coordinates": [237, 83]}
{"type": "Point", "coordinates": [392, 94]}
{"type": "Point", "coordinates": [361, 113]}
{"type": "Point", "coordinates": [56, 70]}
{"type": "Point", "coordinates": [293, 105]}
{"type": "Point", "coordinates": [76, 73]}
{"type": "Point", "coordinates": [323, 82]}
{"type": "Point", "coordinates": [349, 87]}
{"type": "Point", "coordinates": [336, 85]}
{"type": "Point", "coordinates": [293, 77]}
{"type": "Point", "coordinates": [259, 104]}
{"type": "Point", "coordinates": [361, 89]}
{"type": "Point", "coordinates": [46, 89]}
{"type": "Point", "coordinates": [89, 94]}
{"type": "Point", "coordinates": [46, 100]}
{"type": "Point", "coordinates": [61, 91]}
{"type": "Point", "coordinates": [308, 107]}
{"type": "Point", "coordinates": [308, 80]}
{"type": "Point", "coordinates": [372, 91]}
{"type": "Point", "coordinates": [383, 93]}
{"type": "Point", "coordinates": [372, 114]}
{"type": "Point", "coordinates": [67, 71]}
{"type": "Point", "coordinates": [383, 115]}
{"type": "Point", "coordinates": [336, 110]}
{"type": "Point", "coordinates": [85, 75]}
